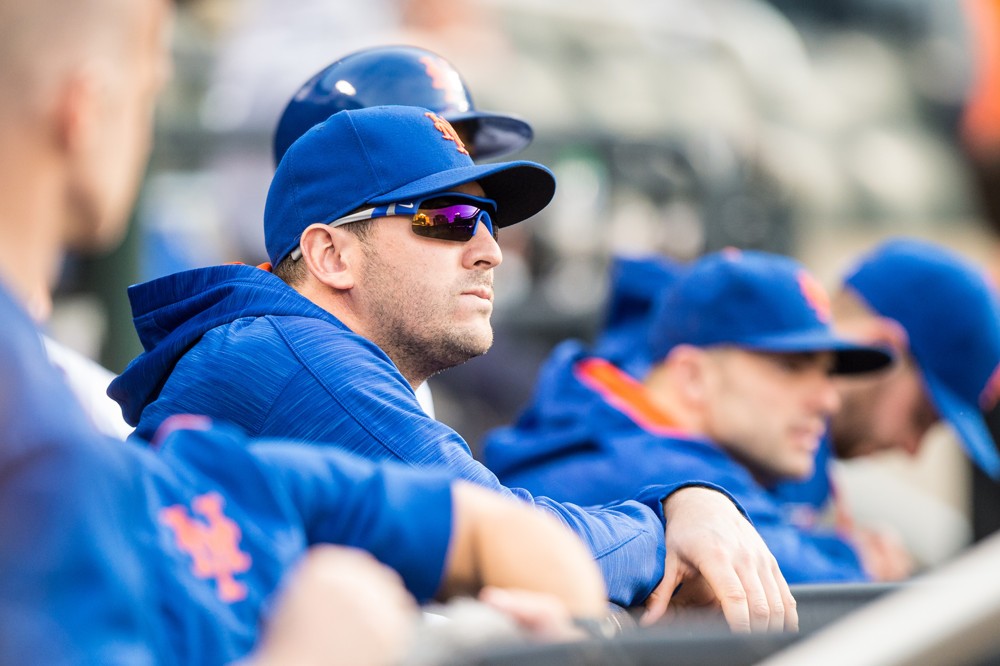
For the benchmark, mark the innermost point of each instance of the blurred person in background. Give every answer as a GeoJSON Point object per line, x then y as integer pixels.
{"type": "Point", "coordinates": [739, 389]}
{"type": "Point", "coordinates": [75, 123]}
{"type": "Point", "coordinates": [941, 317]}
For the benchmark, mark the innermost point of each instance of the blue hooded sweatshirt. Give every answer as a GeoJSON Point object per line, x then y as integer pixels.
{"type": "Point", "coordinates": [237, 344]}
{"type": "Point", "coordinates": [591, 434]}
{"type": "Point", "coordinates": [636, 284]}
{"type": "Point", "coordinates": [118, 553]}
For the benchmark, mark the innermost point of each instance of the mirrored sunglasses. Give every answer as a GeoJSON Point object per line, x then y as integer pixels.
{"type": "Point", "coordinates": [449, 216]}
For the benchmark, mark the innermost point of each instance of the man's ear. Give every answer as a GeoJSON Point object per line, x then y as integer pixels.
{"type": "Point", "coordinates": [883, 331]}
{"type": "Point", "coordinates": [689, 365]}
{"type": "Point", "coordinates": [331, 255]}
{"type": "Point", "coordinates": [77, 109]}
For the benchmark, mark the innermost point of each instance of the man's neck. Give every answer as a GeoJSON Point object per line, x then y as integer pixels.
{"type": "Point", "coordinates": [32, 226]}
{"type": "Point", "coordinates": [664, 393]}
{"type": "Point", "coordinates": [30, 268]}
{"type": "Point", "coordinates": [341, 306]}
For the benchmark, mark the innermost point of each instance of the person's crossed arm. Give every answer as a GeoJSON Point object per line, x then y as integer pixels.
{"type": "Point", "coordinates": [342, 606]}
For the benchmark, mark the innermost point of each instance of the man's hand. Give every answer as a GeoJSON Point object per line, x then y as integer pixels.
{"type": "Point", "coordinates": [714, 551]}
{"type": "Point", "coordinates": [339, 606]}
{"type": "Point", "coordinates": [883, 554]}
{"type": "Point", "coordinates": [543, 617]}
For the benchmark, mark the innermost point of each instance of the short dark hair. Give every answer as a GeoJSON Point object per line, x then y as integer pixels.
{"type": "Point", "coordinates": [291, 271]}
{"type": "Point", "coordinates": [362, 229]}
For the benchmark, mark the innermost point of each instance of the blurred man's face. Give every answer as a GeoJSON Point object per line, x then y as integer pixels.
{"type": "Point", "coordinates": [770, 410]}
{"type": "Point", "coordinates": [883, 411]}
{"type": "Point", "coordinates": [127, 86]}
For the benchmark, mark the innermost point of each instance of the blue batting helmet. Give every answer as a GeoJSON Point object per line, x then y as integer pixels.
{"type": "Point", "coordinates": [404, 75]}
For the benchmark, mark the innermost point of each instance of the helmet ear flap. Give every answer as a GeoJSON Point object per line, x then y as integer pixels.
{"type": "Point", "coordinates": [398, 75]}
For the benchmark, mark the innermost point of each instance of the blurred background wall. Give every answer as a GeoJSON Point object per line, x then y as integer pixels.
{"type": "Point", "coordinates": [804, 127]}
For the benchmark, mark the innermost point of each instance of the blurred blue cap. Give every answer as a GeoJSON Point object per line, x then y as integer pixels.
{"type": "Point", "coordinates": [381, 155]}
{"type": "Point", "coordinates": [636, 284]}
{"type": "Point", "coordinates": [756, 301]}
{"type": "Point", "coordinates": [951, 315]}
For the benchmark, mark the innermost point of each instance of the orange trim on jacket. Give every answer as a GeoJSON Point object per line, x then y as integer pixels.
{"type": "Point", "coordinates": [624, 393]}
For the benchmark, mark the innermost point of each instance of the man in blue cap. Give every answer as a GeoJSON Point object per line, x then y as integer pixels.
{"type": "Point", "coordinates": [382, 234]}
{"type": "Point", "coordinates": [396, 74]}
{"type": "Point", "coordinates": [941, 316]}
{"type": "Point", "coordinates": [739, 393]}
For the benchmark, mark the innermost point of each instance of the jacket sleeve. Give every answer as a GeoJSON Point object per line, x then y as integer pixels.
{"type": "Point", "coordinates": [804, 555]}
{"type": "Point", "coordinates": [358, 401]}
{"type": "Point", "coordinates": [400, 515]}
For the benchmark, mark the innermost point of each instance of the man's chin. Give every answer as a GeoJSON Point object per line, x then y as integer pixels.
{"type": "Point", "coordinates": [466, 348]}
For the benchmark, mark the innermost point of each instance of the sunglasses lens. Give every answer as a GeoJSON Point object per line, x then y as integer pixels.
{"type": "Point", "coordinates": [449, 221]}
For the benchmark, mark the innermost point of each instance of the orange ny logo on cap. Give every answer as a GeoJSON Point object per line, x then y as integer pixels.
{"type": "Point", "coordinates": [212, 543]}
{"type": "Point", "coordinates": [447, 131]}
{"type": "Point", "coordinates": [815, 296]}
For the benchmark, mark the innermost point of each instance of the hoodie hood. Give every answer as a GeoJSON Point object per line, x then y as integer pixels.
{"type": "Point", "coordinates": [172, 313]}
{"type": "Point", "coordinates": [558, 421]}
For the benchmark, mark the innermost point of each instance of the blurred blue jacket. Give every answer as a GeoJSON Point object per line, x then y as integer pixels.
{"type": "Point", "coordinates": [635, 286]}
{"type": "Point", "coordinates": [118, 553]}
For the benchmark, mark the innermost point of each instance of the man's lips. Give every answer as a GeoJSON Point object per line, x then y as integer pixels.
{"type": "Point", "coordinates": [484, 293]}
{"type": "Point", "coordinates": [809, 435]}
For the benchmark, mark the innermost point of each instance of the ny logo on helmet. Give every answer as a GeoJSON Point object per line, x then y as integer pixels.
{"type": "Point", "coordinates": [213, 543]}
{"type": "Point", "coordinates": [447, 131]}
{"type": "Point", "coordinates": [444, 78]}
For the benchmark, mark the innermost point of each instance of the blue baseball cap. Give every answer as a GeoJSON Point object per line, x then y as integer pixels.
{"type": "Point", "coordinates": [951, 315]}
{"type": "Point", "coordinates": [756, 301]}
{"type": "Point", "coordinates": [381, 155]}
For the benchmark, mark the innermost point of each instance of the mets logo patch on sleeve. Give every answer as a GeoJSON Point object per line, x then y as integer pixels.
{"type": "Point", "coordinates": [213, 542]}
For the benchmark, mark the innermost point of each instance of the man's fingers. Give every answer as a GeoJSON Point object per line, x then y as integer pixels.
{"type": "Point", "coordinates": [784, 615]}
{"type": "Point", "coordinates": [756, 599]}
{"type": "Point", "coordinates": [731, 592]}
{"type": "Point", "coordinates": [725, 558]}
{"type": "Point", "coordinates": [543, 616]}
{"type": "Point", "coordinates": [791, 606]}
{"type": "Point", "coordinates": [658, 600]}
{"type": "Point", "coordinates": [775, 600]}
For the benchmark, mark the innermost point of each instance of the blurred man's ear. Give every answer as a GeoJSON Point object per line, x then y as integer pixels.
{"type": "Point", "coordinates": [854, 318]}
{"type": "Point", "coordinates": [76, 108]}
{"type": "Point", "coordinates": [886, 332]}
{"type": "Point", "coordinates": [690, 368]}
